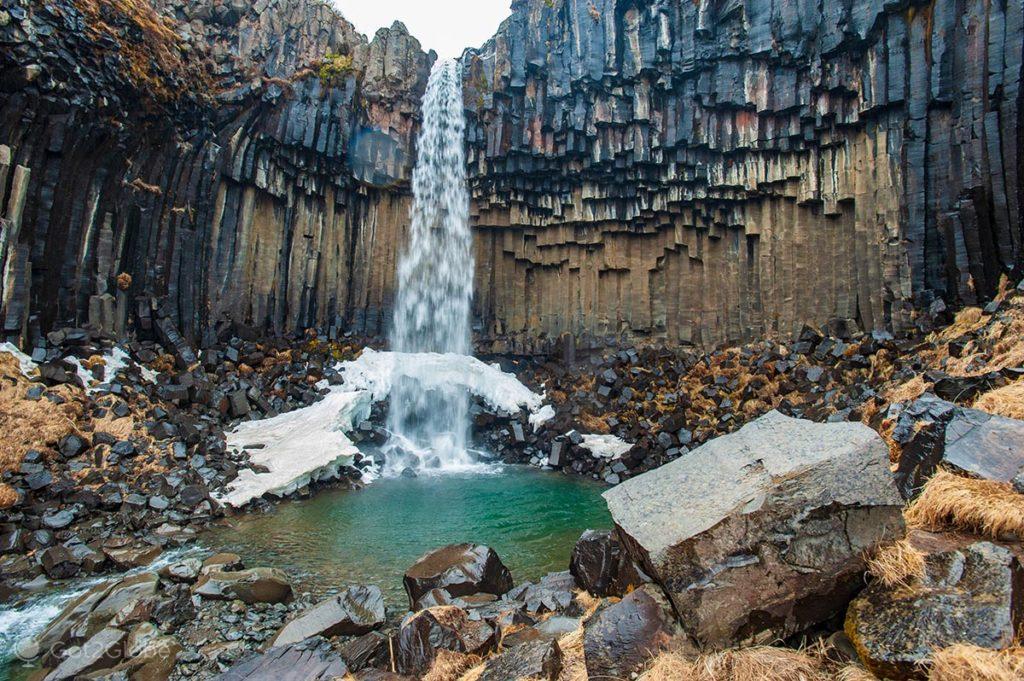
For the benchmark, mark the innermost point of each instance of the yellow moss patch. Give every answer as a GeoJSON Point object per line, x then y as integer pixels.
{"type": "Point", "coordinates": [970, 663]}
{"type": "Point", "coordinates": [1006, 401]}
{"type": "Point", "coordinates": [952, 502]}
{"type": "Point", "coordinates": [896, 564]}
{"type": "Point", "coordinates": [593, 424]}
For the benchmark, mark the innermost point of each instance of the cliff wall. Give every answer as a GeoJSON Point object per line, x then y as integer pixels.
{"type": "Point", "coordinates": [718, 169]}
{"type": "Point", "coordinates": [243, 163]}
{"type": "Point", "coordinates": [678, 171]}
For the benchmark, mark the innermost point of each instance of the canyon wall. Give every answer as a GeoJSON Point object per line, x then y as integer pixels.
{"type": "Point", "coordinates": [709, 170]}
{"type": "Point", "coordinates": [246, 165]}
{"type": "Point", "coordinates": [666, 170]}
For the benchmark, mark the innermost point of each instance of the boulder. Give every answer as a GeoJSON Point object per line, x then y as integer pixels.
{"type": "Point", "coordinates": [932, 431]}
{"type": "Point", "coordinates": [971, 592]}
{"type": "Point", "coordinates": [761, 533]}
{"type": "Point", "coordinates": [624, 636]}
{"type": "Point", "coordinates": [459, 569]}
{"type": "Point", "coordinates": [356, 610]}
{"type": "Point", "coordinates": [309, 660]}
{"type": "Point", "coordinates": [602, 567]}
{"type": "Point", "coordinates": [102, 651]}
{"type": "Point", "coordinates": [59, 562]}
{"type": "Point", "coordinates": [127, 557]}
{"type": "Point", "coordinates": [533, 660]}
{"type": "Point", "coordinates": [443, 627]}
{"type": "Point", "coordinates": [184, 571]}
{"type": "Point", "coordinates": [256, 585]}
{"type": "Point", "coordinates": [553, 593]}
{"type": "Point", "coordinates": [362, 652]}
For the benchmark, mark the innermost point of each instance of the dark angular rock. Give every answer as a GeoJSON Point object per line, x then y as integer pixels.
{"type": "Point", "coordinates": [601, 565]}
{"type": "Point", "coordinates": [256, 585]}
{"type": "Point", "coordinates": [444, 627]}
{"type": "Point", "coordinates": [621, 638]}
{"type": "Point", "coordinates": [309, 660]}
{"type": "Point", "coordinates": [459, 569]}
{"type": "Point", "coordinates": [972, 592]}
{"type": "Point", "coordinates": [356, 610]}
{"type": "Point", "coordinates": [533, 660]}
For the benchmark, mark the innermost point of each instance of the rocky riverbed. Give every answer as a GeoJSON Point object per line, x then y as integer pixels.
{"type": "Point", "coordinates": [119, 453]}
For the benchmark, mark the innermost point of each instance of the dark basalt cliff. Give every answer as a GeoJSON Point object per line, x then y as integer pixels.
{"type": "Point", "coordinates": [254, 176]}
{"type": "Point", "coordinates": [716, 169]}
{"type": "Point", "coordinates": [680, 171]}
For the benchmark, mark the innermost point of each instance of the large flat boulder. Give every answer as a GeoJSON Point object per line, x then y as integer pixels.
{"type": "Point", "coordinates": [309, 660]}
{"type": "Point", "coordinates": [932, 431]}
{"type": "Point", "coordinates": [971, 592]}
{"type": "Point", "coordinates": [459, 569]}
{"type": "Point", "coordinates": [355, 611]}
{"type": "Point", "coordinates": [761, 533]}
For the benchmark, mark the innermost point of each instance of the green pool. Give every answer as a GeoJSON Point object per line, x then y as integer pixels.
{"type": "Point", "coordinates": [531, 518]}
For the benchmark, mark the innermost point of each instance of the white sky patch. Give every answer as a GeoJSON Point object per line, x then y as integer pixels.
{"type": "Point", "coordinates": [445, 26]}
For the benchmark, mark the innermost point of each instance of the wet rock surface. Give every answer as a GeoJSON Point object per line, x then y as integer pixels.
{"type": "Point", "coordinates": [458, 569]}
{"type": "Point", "coordinates": [970, 593]}
{"type": "Point", "coordinates": [602, 566]}
{"type": "Point", "coordinates": [719, 551]}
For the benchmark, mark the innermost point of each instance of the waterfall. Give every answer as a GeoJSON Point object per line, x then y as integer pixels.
{"type": "Point", "coordinates": [435, 284]}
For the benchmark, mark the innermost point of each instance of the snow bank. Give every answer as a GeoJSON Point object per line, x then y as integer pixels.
{"type": "Point", "coordinates": [25, 364]}
{"type": "Point", "coordinates": [299, 447]}
{"type": "Point", "coordinates": [606, 446]}
{"type": "Point", "coordinates": [374, 371]}
{"type": "Point", "coordinates": [542, 416]}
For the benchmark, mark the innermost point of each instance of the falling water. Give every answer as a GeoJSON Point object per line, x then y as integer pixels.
{"type": "Point", "coordinates": [435, 285]}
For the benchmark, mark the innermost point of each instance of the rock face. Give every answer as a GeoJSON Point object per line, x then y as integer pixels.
{"type": "Point", "coordinates": [459, 569]}
{"type": "Point", "coordinates": [440, 628]}
{"type": "Point", "coordinates": [623, 637]}
{"type": "Point", "coordinates": [971, 593]}
{"type": "Point", "coordinates": [534, 660]}
{"type": "Point", "coordinates": [759, 534]}
{"type": "Point", "coordinates": [710, 170]}
{"type": "Point", "coordinates": [694, 171]}
{"type": "Point", "coordinates": [356, 610]}
{"type": "Point", "coordinates": [933, 431]}
{"type": "Point", "coordinates": [602, 567]}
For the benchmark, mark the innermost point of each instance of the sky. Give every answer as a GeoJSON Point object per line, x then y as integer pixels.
{"type": "Point", "coordinates": [446, 26]}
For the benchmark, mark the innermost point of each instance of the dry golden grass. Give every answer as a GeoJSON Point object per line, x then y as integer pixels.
{"type": "Point", "coordinates": [908, 391]}
{"type": "Point", "coordinates": [971, 663]}
{"type": "Point", "coordinates": [897, 564]}
{"type": "Point", "coordinates": [8, 497]}
{"type": "Point", "coordinates": [952, 502]}
{"type": "Point", "coordinates": [854, 672]}
{"type": "Point", "coordinates": [1007, 401]}
{"type": "Point", "coordinates": [574, 667]}
{"type": "Point", "coordinates": [593, 424]}
{"type": "Point", "coordinates": [450, 666]}
{"type": "Point", "coordinates": [758, 663]}
{"type": "Point", "coordinates": [155, 60]}
{"type": "Point", "coordinates": [31, 424]}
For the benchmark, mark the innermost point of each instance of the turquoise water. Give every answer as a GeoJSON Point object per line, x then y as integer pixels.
{"type": "Point", "coordinates": [370, 536]}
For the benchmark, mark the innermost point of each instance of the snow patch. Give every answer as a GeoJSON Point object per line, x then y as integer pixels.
{"type": "Point", "coordinates": [299, 446]}
{"type": "Point", "coordinates": [606, 446]}
{"type": "Point", "coordinates": [542, 416]}
{"type": "Point", "coordinates": [28, 368]}
{"type": "Point", "coordinates": [375, 371]}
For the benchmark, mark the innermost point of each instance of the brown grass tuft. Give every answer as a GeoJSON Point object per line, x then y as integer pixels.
{"type": "Point", "coordinates": [8, 497]}
{"type": "Point", "coordinates": [952, 502]}
{"type": "Point", "coordinates": [1007, 401]}
{"type": "Point", "coordinates": [854, 672]}
{"type": "Point", "coordinates": [31, 424]}
{"type": "Point", "coordinates": [897, 564]}
{"type": "Point", "coordinates": [593, 424]}
{"type": "Point", "coordinates": [450, 666]}
{"type": "Point", "coordinates": [908, 391]}
{"type": "Point", "coordinates": [758, 663]}
{"type": "Point", "coordinates": [971, 663]}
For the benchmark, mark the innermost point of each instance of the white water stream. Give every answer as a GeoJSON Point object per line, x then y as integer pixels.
{"type": "Point", "coordinates": [430, 424]}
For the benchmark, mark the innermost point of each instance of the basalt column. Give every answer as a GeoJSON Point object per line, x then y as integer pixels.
{"type": "Point", "coordinates": [723, 169]}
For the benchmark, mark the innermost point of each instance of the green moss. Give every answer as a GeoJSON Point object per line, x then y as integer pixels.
{"type": "Point", "coordinates": [334, 67]}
